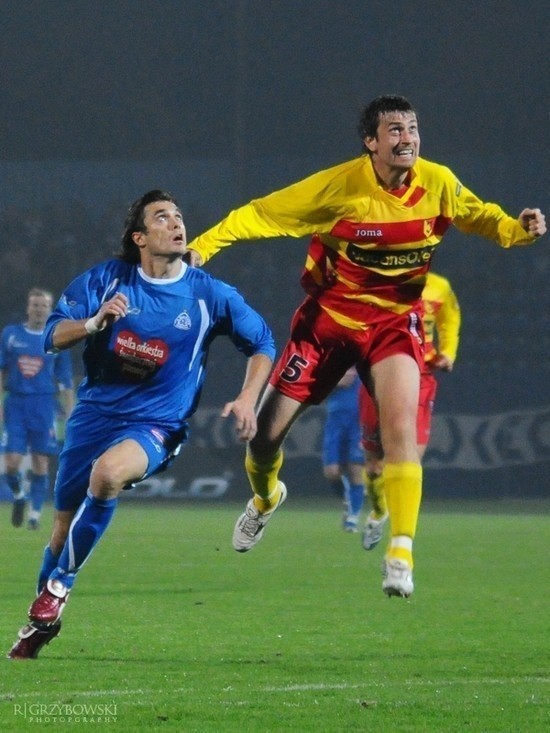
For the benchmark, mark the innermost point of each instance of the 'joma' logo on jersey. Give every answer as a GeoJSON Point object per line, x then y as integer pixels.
{"type": "Point", "coordinates": [368, 233]}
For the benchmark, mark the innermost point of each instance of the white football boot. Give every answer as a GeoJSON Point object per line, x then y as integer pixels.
{"type": "Point", "coordinates": [373, 531]}
{"type": "Point", "coordinates": [398, 579]}
{"type": "Point", "coordinates": [250, 525]}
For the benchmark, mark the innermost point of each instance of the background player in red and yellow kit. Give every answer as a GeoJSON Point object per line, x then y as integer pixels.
{"type": "Point", "coordinates": [441, 322]}
{"type": "Point", "coordinates": [375, 222]}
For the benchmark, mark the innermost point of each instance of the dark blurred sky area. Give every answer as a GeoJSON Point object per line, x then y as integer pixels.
{"type": "Point", "coordinates": [100, 80]}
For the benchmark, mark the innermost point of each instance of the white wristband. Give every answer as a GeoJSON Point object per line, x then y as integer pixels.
{"type": "Point", "coordinates": [91, 326]}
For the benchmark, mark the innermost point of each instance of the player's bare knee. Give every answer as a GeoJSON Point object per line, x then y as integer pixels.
{"type": "Point", "coordinates": [109, 476]}
{"type": "Point", "coordinates": [331, 473]}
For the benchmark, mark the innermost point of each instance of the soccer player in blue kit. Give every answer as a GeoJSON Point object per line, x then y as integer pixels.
{"type": "Point", "coordinates": [33, 382]}
{"type": "Point", "coordinates": [148, 320]}
{"type": "Point", "coordinates": [343, 456]}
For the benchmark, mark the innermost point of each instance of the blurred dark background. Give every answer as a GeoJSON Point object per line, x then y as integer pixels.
{"type": "Point", "coordinates": [222, 101]}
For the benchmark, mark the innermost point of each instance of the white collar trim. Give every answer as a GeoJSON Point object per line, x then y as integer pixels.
{"type": "Point", "coordinates": [164, 280]}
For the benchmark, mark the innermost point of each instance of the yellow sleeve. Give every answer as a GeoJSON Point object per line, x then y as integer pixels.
{"type": "Point", "coordinates": [447, 321]}
{"type": "Point", "coordinates": [489, 220]}
{"type": "Point", "coordinates": [300, 209]}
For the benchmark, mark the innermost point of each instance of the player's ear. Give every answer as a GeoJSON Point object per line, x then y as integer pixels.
{"type": "Point", "coordinates": [137, 238]}
{"type": "Point", "coordinates": [370, 143]}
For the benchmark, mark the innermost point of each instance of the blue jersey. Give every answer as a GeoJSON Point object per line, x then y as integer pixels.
{"type": "Point", "coordinates": [152, 362]}
{"type": "Point", "coordinates": [28, 370]}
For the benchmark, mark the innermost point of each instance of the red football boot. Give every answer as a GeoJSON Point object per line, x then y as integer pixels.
{"type": "Point", "coordinates": [32, 638]}
{"type": "Point", "coordinates": [48, 605]}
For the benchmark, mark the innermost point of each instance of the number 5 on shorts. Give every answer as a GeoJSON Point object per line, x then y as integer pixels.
{"type": "Point", "coordinates": [293, 369]}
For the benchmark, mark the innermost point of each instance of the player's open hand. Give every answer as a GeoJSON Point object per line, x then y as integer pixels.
{"type": "Point", "coordinates": [245, 418]}
{"type": "Point", "coordinates": [533, 221]}
{"type": "Point", "coordinates": [193, 258]}
{"type": "Point", "coordinates": [443, 362]}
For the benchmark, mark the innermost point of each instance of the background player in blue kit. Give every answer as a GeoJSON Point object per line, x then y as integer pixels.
{"type": "Point", "coordinates": [33, 381]}
{"type": "Point", "coordinates": [343, 457]}
{"type": "Point", "coordinates": [148, 320]}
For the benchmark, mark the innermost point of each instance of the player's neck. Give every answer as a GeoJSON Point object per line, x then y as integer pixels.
{"type": "Point", "coordinates": [391, 179]}
{"type": "Point", "coordinates": [34, 326]}
{"type": "Point", "coordinates": [160, 268]}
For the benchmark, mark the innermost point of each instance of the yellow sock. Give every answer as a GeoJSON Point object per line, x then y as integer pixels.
{"type": "Point", "coordinates": [403, 488]}
{"type": "Point", "coordinates": [263, 478]}
{"type": "Point", "coordinates": [374, 486]}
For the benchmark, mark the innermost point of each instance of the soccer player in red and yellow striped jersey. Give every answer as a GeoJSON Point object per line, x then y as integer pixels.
{"type": "Point", "coordinates": [375, 222]}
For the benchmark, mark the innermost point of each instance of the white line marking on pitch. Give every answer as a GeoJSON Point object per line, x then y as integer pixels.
{"type": "Point", "coordinates": [405, 683]}
{"type": "Point", "coordinates": [10, 696]}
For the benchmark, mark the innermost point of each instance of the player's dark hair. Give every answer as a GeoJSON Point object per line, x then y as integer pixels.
{"type": "Point", "coordinates": [370, 117]}
{"type": "Point", "coordinates": [129, 251]}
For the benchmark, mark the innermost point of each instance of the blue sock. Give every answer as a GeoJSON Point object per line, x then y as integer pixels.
{"type": "Point", "coordinates": [14, 482]}
{"type": "Point", "coordinates": [49, 563]}
{"type": "Point", "coordinates": [88, 525]}
{"type": "Point", "coordinates": [356, 494]}
{"type": "Point", "coordinates": [38, 491]}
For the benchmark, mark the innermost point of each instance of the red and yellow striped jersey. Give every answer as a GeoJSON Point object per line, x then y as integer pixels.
{"type": "Point", "coordinates": [368, 245]}
{"type": "Point", "coordinates": [441, 317]}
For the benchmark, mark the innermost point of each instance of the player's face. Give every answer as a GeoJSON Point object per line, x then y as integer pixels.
{"type": "Point", "coordinates": [164, 230]}
{"type": "Point", "coordinates": [39, 308]}
{"type": "Point", "coordinates": [396, 147]}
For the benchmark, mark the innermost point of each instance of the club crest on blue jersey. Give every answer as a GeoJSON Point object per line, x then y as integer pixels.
{"type": "Point", "coordinates": [183, 321]}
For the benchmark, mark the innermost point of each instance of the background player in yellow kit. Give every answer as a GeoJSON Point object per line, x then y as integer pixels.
{"type": "Point", "coordinates": [441, 320]}
{"type": "Point", "coordinates": [375, 222]}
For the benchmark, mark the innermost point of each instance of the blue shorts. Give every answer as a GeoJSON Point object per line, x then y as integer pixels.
{"type": "Point", "coordinates": [89, 434]}
{"type": "Point", "coordinates": [342, 439]}
{"type": "Point", "coordinates": [29, 424]}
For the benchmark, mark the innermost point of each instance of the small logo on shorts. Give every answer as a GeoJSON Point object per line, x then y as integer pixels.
{"type": "Point", "coordinates": [158, 438]}
{"type": "Point", "coordinates": [413, 326]}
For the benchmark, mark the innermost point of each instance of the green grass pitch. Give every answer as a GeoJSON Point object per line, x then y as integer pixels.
{"type": "Point", "coordinates": [168, 628]}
